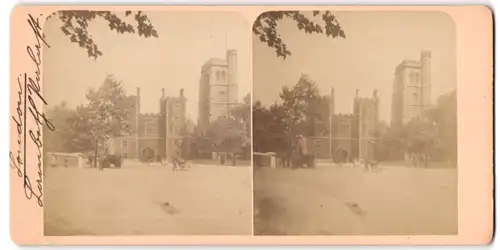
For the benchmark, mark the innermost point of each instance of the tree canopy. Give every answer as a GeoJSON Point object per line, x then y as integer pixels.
{"type": "Point", "coordinates": [270, 130]}
{"type": "Point", "coordinates": [108, 108]}
{"type": "Point", "coordinates": [433, 134]}
{"type": "Point", "coordinates": [58, 140]}
{"type": "Point", "coordinates": [278, 128]}
{"type": "Point", "coordinates": [232, 134]}
{"type": "Point", "coordinates": [266, 27]}
{"type": "Point", "coordinates": [75, 25]}
{"type": "Point", "coordinates": [444, 116]}
{"type": "Point", "coordinates": [301, 104]}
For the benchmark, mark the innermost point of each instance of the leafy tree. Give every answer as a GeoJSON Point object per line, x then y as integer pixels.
{"type": "Point", "coordinates": [301, 105]}
{"type": "Point", "coordinates": [390, 143]}
{"type": "Point", "coordinates": [444, 116]}
{"type": "Point", "coordinates": [242, 111]}
{"type": "Point", "coordinates": [265, 27]}
{"type": "Point", "coordinates": [200, 145]}
{"type": "Point", "coordinates": [57, 140]}
{"type": "Point", "coordinates": [418, 136]}
{"type": "Point", "coordinates": [270, 130]}
{"type": "Point", "coordinates": [79, 140]}
{"type": "Point", "coordinates": [228, 134]}
{"type": "Point", "coordinates": [108, 110]}
{"type": "Point", "coordinates": [75, 26]}
{"type": "Point", "coordinates": [279, 130]}
{"type": "Point", "coordinates": [261, 118]}
{"type": "Point", "coordinates": [279, 127]}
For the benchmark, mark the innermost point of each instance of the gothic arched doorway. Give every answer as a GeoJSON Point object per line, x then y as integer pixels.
{"type": "Point", "coordinates": [341, 155]}
{"type": "Point", "coordinates": [148, 155]}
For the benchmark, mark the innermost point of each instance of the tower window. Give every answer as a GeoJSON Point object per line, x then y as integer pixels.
{"type": "Point", "coordinates": [220, 75]}
{"type": "Point", "coordinates": [414, 78]}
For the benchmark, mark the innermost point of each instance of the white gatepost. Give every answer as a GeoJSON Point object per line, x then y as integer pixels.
{"type": "Point", "coordinates": [80, 161]}
{"type": "Point", "coordinates": [272, 161]}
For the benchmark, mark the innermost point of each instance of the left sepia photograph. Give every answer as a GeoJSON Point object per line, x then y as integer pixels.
{"type": "Point", "coordinates": [152, 113]}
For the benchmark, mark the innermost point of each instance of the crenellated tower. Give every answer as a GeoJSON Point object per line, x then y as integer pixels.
{"type": "Point", "coordinates": [411, 94]}
{"type": "Point", "coordinates": [425, 61]}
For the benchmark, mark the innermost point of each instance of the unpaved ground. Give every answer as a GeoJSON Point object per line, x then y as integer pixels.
{"type": "Point", "coordinates": [349, 201]}
{"type": "Point", "coordinates": [203, 200]}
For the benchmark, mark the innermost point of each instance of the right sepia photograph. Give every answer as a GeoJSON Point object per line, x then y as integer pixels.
{"type": "Point", "coordinates": [354, 123]}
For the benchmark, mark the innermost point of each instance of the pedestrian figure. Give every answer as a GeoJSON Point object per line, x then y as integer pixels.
{"type": "Point", "coordinates": [176, 156]}
{"type": "Point", "coordinates": [424, 160]}
{"type": "Point", "coordinates": [414, 160]}
{"type": "Point", "coordinates": [100, 163]}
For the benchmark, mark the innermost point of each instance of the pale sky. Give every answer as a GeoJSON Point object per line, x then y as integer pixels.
{"type": "Point", "coordinates": [375, 43]}
{"type": "Point", "coordinates": [172, 61]}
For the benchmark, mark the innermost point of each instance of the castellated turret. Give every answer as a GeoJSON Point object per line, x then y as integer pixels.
{"type": "Point", "coordinates": [411, 93]}
{"type": "Point", "coordinates": [425, 61]}
{"type": "Point", "coordinates": [232, 65]}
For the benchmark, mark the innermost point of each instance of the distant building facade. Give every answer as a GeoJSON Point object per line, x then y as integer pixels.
{"type": "Point", "coordinates": [218, 88]}
{"type": "Point", "coordinates": [411, 95]}
{"type": "Point", "coordinates": [152, 137]}
{"type": "Point", "coordinates": [351, 136]}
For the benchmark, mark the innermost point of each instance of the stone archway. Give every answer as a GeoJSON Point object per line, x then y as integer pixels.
{"type": "Point", "coordinates": [148, 155]}
{"type": "Point", "coordinates": [341, 155]}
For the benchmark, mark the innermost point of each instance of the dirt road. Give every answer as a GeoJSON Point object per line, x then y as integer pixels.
{"type": "Point", "coordinates": [349, 201]}
{"type": "Point", "coordinates": [133, 200]}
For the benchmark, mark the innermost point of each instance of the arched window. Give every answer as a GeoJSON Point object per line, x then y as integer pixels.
{"type": "Point", "coordinates": [217, 75]}
{"type": "Point", "coordinates": [414, 78]}
{"type": "Point", "coordinates": [223, 76]}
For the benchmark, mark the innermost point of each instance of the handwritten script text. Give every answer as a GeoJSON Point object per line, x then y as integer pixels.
{"type": "Point", "coordinates": [28, 95]}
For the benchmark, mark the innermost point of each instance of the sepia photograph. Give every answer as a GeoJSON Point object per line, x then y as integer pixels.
{"type": "Point", "coordinates": [354, 123]}
{"type": "Point", "coordinates": [152, 123]}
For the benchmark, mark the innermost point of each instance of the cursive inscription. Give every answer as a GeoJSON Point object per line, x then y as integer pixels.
{"type": "Point", "coordinates": [29, 94]}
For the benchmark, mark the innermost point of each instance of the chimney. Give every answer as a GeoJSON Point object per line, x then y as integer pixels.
{"type": "Point", "coordinates": [357, 93]}
{"type": "Point", "coordinates": [162, 93]}
{"type": "Point", "coordinates": [332, 101]}
{"type": "Point", "coordinates": [138, 100]}
{"type": "Point", "coordinates": [181, 94]}
{"type": "Point", "coordinates": [375, 94]}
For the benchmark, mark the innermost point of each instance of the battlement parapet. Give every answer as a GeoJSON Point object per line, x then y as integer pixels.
{"type": "Point", "coordinates": [175, 99]}
{"type": "Point", "coordinates": [213, 62]}
{"type": "Point", "coordinates": [406, 64]}
{"type": "Point", "coordinates": [365, 100]}
{"type": "Point", "coordinates": [150, 116]}
{"type": "Point", "coordinates": [343, 116]}
{"type": "Point", "coordinates": [426, 53]}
